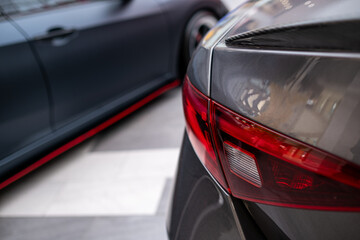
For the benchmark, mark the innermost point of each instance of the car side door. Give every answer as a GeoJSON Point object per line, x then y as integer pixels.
{"type": "Point", "coordinates": [24, 99]}
{"type": "Point", "coordinates": [97, 52]}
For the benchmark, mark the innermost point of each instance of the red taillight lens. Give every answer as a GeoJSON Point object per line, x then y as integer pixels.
{"type": "Point", "coordinates": [198, 128]}
{"type": "Point", "coordinates": [293, 174]}
{"type": "Point", "coordinates": [264, 166]}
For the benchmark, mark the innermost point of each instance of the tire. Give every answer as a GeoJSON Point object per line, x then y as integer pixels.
{"type": "Point", "coordinates": [197, 27]}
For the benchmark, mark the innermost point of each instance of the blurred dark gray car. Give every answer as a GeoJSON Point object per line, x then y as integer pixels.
{"type": "Point", "coordinates": [68, 65]}
{"type": "Point", "coordinates": [272, 107]}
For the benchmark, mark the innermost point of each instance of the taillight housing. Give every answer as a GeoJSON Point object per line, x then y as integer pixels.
{"type": "Point", "coordinates": [265, 166]}
{"type": "Point", "coordinates": [197, 119]}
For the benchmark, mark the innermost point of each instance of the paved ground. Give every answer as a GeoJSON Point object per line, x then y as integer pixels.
{"type": "Point", "coordinates": [116, 185]}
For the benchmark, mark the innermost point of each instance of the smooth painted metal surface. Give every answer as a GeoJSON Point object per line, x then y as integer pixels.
{"type": "Point", "coordinates": [305, 224]}
{"type": "Point", "coordinates": [97, 62]}
{"type": "Point", "coordinates": [199, 69]}
{"type": "Point", "coordinates": [311, 96]}
{"type": "Point", "coordinates": [24, 107]}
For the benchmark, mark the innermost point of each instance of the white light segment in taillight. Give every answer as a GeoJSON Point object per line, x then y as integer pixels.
{"type": "Point", "coordinates": [242, 163]}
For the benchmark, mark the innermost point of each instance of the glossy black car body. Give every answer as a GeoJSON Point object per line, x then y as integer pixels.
{"type": "Point", "coordinates": [66, 66]}
{"type": "Point", "coordinates": [288, 70]}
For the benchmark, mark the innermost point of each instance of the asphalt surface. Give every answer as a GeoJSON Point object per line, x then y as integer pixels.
{"type": "Point", "coordinates": [117, 185]}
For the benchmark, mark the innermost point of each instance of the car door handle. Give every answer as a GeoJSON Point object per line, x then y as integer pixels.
{"type": "Point", "coordinates": [56, 33]}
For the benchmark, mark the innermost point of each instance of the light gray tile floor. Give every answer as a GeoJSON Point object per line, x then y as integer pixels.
{"type": "Point", "coordinates": [149, 128]}
{"type": "Point", "coordinates": [83, 228]}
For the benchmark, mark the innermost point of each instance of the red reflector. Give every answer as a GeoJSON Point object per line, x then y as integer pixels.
{"type": "Point", "coordinates": [294, 174]}
{"type": "Point", "coordinates": [197, 125]}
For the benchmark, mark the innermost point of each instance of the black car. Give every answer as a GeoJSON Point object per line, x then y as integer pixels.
{"type": "Point", "coordinates": [272, 142]}
{"type": "Point", "coordinates": [67, 66]}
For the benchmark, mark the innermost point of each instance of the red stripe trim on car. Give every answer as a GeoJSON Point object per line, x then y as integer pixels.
{"type": "Point", "coordinates": [91, 132]}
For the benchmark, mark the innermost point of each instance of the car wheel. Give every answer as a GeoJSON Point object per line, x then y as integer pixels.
{"type": "Point", "coordinates": [195, 30]}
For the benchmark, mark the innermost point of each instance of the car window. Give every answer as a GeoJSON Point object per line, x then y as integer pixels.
{"type": "Point", "coordinates": [11, 7]}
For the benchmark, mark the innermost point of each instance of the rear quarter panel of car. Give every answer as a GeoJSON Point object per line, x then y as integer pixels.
{"type": "Point", "coordinates": [311, 96]}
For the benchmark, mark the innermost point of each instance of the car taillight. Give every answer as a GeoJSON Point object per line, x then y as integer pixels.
{"type": "Point", "coordinates": [265, 166]}
{"type": "Point", "coordinates": [198, 128]}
